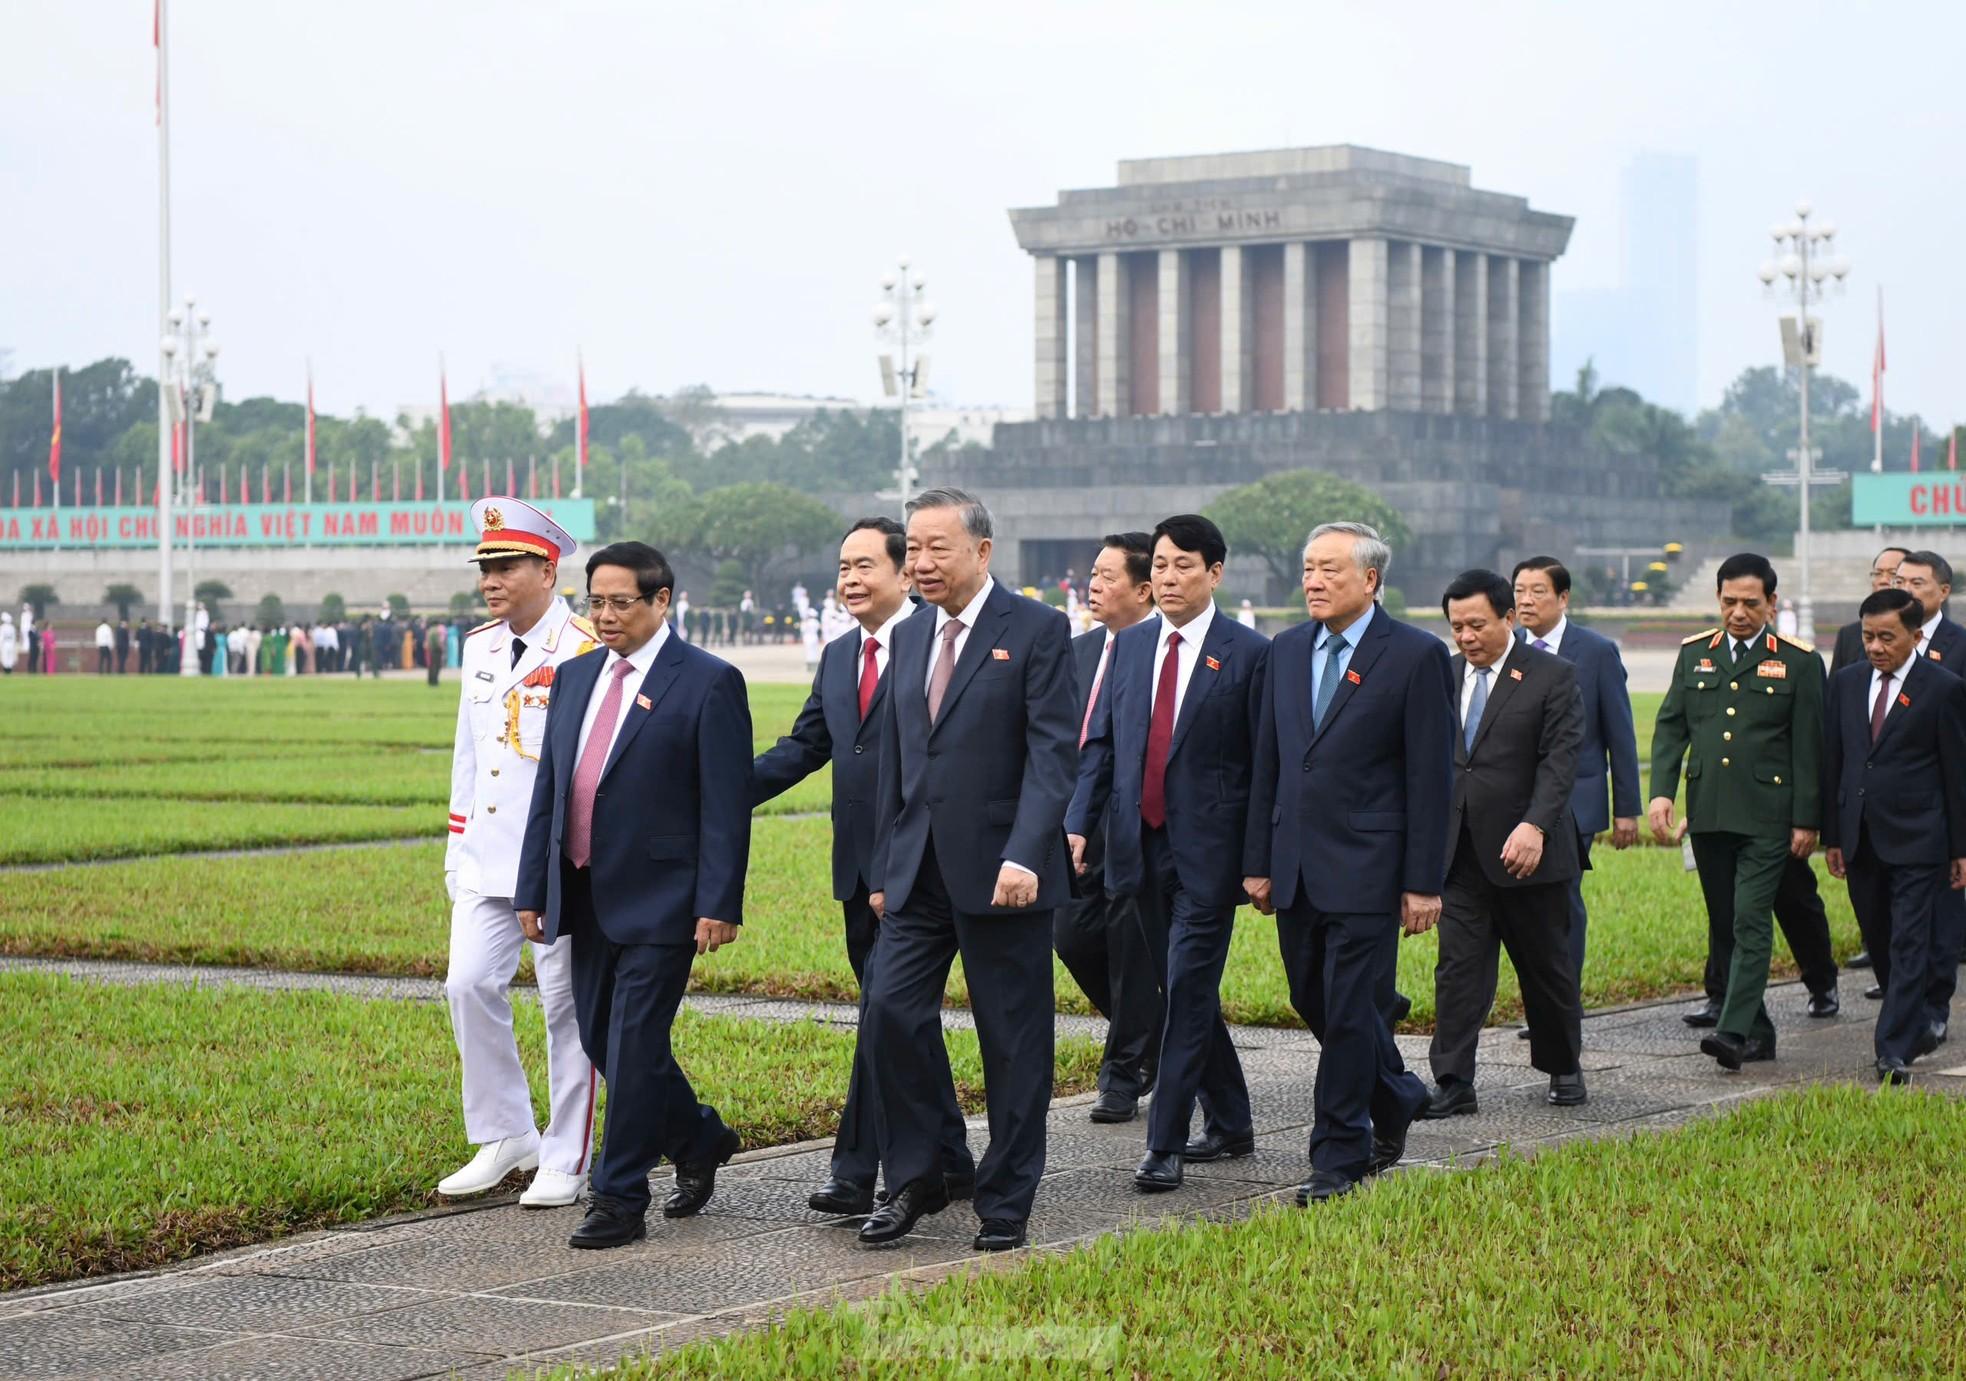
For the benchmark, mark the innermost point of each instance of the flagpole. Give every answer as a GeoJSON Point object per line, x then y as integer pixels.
{"type": "Point", "coordinates": [160, 36]}
{"type": "Point", "coordinates": [1877, 394]}
{"type": "Point", "coordinates": [580, 426]}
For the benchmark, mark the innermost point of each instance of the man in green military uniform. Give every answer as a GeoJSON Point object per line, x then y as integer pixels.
{"type": "Point", "coordinates": [1745, 711]}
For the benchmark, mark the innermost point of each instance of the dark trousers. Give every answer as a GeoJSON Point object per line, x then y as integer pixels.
{"type": "Point", "coordinates": [1805, 925]}
{"type": "Point", "coordinates": [1007, 961]}
{"type": "Point", "coordinates": [1948, 944]}
{"type": "Point", "coordinates": [1898, 908]}
{"type": "Point", "coordinates": [1477, 921]}
{"type": "Point", "coordinates": [625, 999]}
{"type": "Point", "coordinates": [857, 1147]}
{"type": "Point", "coordinates": [33, 652]}
{"type": "Point", "coordinates": [105, 661]}
{"type": "Point", "coordinates": [1100, 941]}
{"type": "Point", "coordinates": [1340, 966]}
{"type": "Point", "coordinates": [1188, 941]}
{"type": "Point", "coordinates": [1739, 876]}
{"type": "Point", "coordinates": [1579, 917]}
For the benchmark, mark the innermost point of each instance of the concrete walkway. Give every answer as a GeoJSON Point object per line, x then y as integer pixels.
{"type": "Point", "coordinates": [490, 1289]}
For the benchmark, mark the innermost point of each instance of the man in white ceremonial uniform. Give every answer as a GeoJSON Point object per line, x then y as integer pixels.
{"type": "Point", "coordinates": [508, 668]}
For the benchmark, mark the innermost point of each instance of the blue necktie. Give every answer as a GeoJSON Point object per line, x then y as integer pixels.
{"type": "Point", "coordinates": [1335, 648]}
{"type": "Point", "coordinates": [1476, 704]}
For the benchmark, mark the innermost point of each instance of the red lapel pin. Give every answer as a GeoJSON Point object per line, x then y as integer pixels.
{"type": "Point", "coordinates": [1352, 676]}
{"type": "Point", "coordinates": [645, 702]}
{"type": "Point", "coordinates": [1904, 699]}
{"type": "Point", "coordinates": [1213, 665]}
{"type": "Point", "coordinates": [1515, 674]}
{"type": "Point", "coordinates": [1000, 654]}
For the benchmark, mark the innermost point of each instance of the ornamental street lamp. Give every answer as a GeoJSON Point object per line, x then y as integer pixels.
{"type": "Point", "coordinates": [191, 391]}
{"type": "Point", "coordinates": [903, 318]}
{"type": "Point", "coordinates": [1805, 257]}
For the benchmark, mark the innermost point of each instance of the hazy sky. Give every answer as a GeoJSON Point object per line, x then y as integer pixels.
{"type": "Point", "coordinates": [710, 193]}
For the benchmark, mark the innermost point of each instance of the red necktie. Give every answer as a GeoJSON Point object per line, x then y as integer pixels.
{"type": "Point", "coordinates": [587, 774]}
{"type": "Point", "coordinates": [1160, 734]}
{"type": "Point", "coordinates": [870, 676]}
{"type": "Point", "coordinates": [1878, 711]}
{"type": "Point", "coordinates": [1092, 700]}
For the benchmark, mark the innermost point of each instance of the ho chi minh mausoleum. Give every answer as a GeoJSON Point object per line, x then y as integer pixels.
{"type": "Point", "coordinates": [1214, 319]}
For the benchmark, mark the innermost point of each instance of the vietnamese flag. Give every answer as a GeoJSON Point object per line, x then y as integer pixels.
{"type": "Point", "coordinates": [54, 441]}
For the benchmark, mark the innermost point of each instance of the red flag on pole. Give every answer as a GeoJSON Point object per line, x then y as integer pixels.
{"type": "Point", "coordinates": [54, 442]}
{"type": "Point", "coordinates": [1952, 449]}
{"type": "Point", "coordinates": [331, 485]}
{"type": "Point", "coordinates": [555, 463]}
{"type": "Point", "coordinates": [511, 484]}
{"type": "Point", "coordinates": [286, 482]}
{"type": "Point", "coordinates": [395, 481]}
{"type": "Point", "coordinates": [119, 486]}
{"type": "Point", "coordinates": [37, 488]}
{"type": "Point", "coordinates": [98, 486]}
{"type": "Point", "coordinates": [443, 427]}
{"type": "Point", "coordinates": [157, 42]}
{"type": "Point", "coordinates": [310, 419]}
{"type": "Point", "coordinates": [532, 477]}
{"type": "Point", "coordinates": [1916, 428]}
{"type": "Point", "coordinates": [221, 484]}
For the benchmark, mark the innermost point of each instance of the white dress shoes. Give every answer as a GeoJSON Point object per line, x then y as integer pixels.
{"type": "Point", "coordinates": [494, 1161]}
{"type": "Point", "coordinates": [552, 1189]}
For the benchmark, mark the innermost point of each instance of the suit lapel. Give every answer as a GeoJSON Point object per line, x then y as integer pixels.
{"type": "Point", "coordinates": [1502, 685]}
{"type": "Point", "coordinates": [976, 647]}
{"type": "Point", "coordinates": [1361, 661]}
{"type": "Point", "coordinates": [1202, 683]}
{"type": "Point", "coordinates": [668, 665]}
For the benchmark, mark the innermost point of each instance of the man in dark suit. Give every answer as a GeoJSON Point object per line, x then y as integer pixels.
{"type": "Point", "coordinates": [1348, 838]}
{"type": "Point", "coordinates": [977, 757]}
{"type": "Point", "coordinates": [1927, 577]}
{"type": "Point", "coordinates": [636, 847]}
{"type": "Point", "coordinates": [1514, 855]}
{"type": "Point", "coordinates": [1097, 936]}
{"type": "Point", "coordinates": [1849, 652]}
{"type": "Point", "coordinates": [1166, 767]}
{"type": "Point", "coordinates": [840, 724]}
{"type": "Point", "coordinates": [1894, 780]}
{"type": "Point", "coordinates": [1542, 602]}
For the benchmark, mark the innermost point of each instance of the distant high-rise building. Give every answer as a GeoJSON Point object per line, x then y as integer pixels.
{"type": "Point", "coordinates": [1643, 333]}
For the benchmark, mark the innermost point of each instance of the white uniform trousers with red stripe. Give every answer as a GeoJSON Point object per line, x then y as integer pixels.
{"type": "Point", "coordinates": [485, 941]}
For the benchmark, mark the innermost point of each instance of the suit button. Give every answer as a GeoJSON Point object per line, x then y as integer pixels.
{"type": "Point", "coordinates": [1778, 781]}
{"type": "Point", "coordinates": [494, 772]}
{"type": "Point", "coordinates": [1724, 762]}
{"type": "Point", "coordinates": [1727, 736]}
{"type": "Point", "coordinates": [1307, 767]}
{"type": "Point", "coordinates": [859, 748]}
{"type": "Point", "coordinates": [491, 810]}
{"type": "Point", "coordinates": [1733, 685]}
{"type": "Point", "coordinates": [1730, 709]}
{"type": "Point", "coordinates": [1860, 791]}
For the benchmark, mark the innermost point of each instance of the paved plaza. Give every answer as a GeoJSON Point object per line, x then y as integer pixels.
{"type": "Point", "coordinates": [486, 1290]}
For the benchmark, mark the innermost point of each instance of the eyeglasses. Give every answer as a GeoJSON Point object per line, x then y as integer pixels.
{"type": "Point", "coordinates": [621, 604]}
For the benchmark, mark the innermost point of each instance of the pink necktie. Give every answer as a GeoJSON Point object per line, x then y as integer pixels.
{"type": "Point", "coordinates": [587, 775]}
{"type": "Point", "coordinates": [1092, 700]}
{"type": "Point", "coordinates": [945, 668]}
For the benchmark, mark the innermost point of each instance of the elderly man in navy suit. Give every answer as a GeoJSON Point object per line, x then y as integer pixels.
{"type": "Point", "coordinates": [1927, 577]}
{"type": "Point", "coordinates": [1166, 767]}
{"type": "Point", "coordinates": [1347, 838]}
{"type": "Point", "coordinates": [840, 724]}
{"type": "Point", "coordinates": [978, 753]}
{"type": "Point", "coordinates": [1098, 935]}
{"type": "Point", "coordinates": [636, 848]}
{"type": "Point", "coordinates": [1894, 778]}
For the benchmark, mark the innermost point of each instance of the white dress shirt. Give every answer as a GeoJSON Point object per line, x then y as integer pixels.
{"type": "Point", "coordinates": [1554, 637]}
{"type": "Point", "coordinates": [883, 641]}
{"type": "Point", "coordinates": [1468, 680]}
{"type": "Point", "coordinates": [1925, 633]}
{"type": "Point", "coordinates": [1188, 654]}
{"type": "Point", "coordinates": [642, 658]}
{"type": "Point", "coordinates": [970, 614]}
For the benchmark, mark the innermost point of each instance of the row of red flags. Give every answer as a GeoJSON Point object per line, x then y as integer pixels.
{"type": "Point", "coordinates": [108, 485]}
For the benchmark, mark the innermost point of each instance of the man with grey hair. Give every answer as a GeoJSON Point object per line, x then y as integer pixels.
{"type": "Point", "coordinates": [1347, 838]}
{"type": "Point", "coordinates": [978, 757]}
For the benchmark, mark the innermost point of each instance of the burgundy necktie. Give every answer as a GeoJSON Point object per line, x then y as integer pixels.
{"type": "Point", "coordinates": [1160, 734]}
{"type": "Point", "coordinates": [870, 676]}
{"type": "Point", "coordinates": [587, 775]}
{"type": "Point", "coordinates": [1883, 705]}
{"type": "Point", "coordinates": [1092, 700]}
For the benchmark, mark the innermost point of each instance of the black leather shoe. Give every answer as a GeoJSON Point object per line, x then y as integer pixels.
{"type": "Point", "coordinates": [1214, 1146]}
{"type": "Point", "coordinates": [608, 1224]}
{"type": "Point", "coordinates": [1401, 1009]}
{"type": "Point", "coordinates": [1523, 1034]}
{"type": "Point", "coordinates": [961, 1185]}
{"type": "Point", "coordinates": [1938, 1034]}
{"type": "Point", "coordinates": [898, 1216]}
{"type": "Point", "coordinates": [1891, 1070]}
{"type": "Point", "coordinates": [1453, 1098]}
{"type": "Point", "coordinates": [1825, 1004]}
{"type": "Point", "coordinates": [1925, 1042]}
{"type": "Point", "coordinates": [1727, 1049]}
{"type": "Point", "coordinates": [1859, 960]}
{"type": "Point", "coordinates": [1875, 992]}
{"type": "Point", "coordinates": [696, 1180]}
{"type": "Point", "coordinates": [842, 1198]}
{"type": "Point", "coordinates": [1706, 1014]}
{"type": "Point", "coordinates": [1322, 1187]}
{"type": "Point", "coordinates": [1157, 1171]}
{"type": "Point", "coordinates": [1755, 1050]}
{"type": "Point", "coordinates": [1567, 1090]}
{"type": "Point", "coordinates": [1114, 1107]}
{"type": "Point", "coordinates": [1000, 1235]}
{"type": "Point", "coordinates": [1387, 1151]}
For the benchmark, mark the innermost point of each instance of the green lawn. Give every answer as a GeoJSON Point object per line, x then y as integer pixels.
{"type": "Point", "coordinates": [1808, 1234]}
{"type": "Point", "coordinates": [382, 910]}
{"type": "Point", "coordinates": [195, 1119]}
